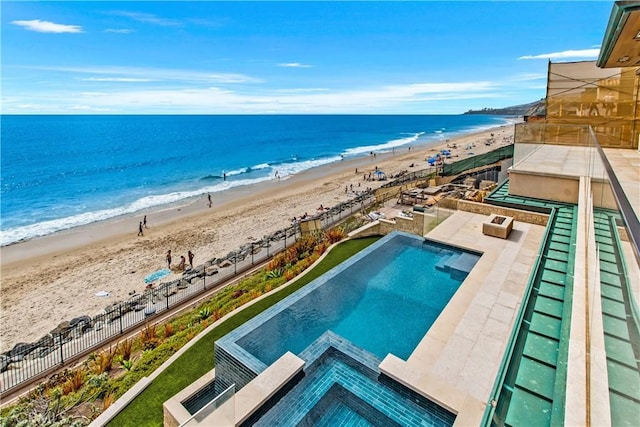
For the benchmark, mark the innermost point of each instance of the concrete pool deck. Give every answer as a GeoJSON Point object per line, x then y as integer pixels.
{"type": "Point", "coordinates": [456, 363]}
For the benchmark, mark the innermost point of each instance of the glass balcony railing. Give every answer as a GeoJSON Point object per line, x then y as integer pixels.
{"type": "Point", "coordinates": [224, 406]}
{"type": "Point", "coordinates": [550, 163]}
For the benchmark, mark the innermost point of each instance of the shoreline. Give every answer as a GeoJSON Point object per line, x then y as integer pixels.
{"type": "Point", "coordinates": [57, 276]}
{"type": "Point", "coordinates": [223, 194]}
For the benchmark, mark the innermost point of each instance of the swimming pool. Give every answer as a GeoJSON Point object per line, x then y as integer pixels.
{"type": "Point", "coordinates": [383, 300]}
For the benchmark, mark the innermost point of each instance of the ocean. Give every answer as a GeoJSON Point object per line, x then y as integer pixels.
{"type": "Point", "coordinates": [58, 172]}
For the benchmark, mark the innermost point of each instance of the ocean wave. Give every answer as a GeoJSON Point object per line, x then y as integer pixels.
{"type": "Point", "coordinates": [260, 166]}
{"type": "Point", "coordinates": [18, 234]}
{"type": "Point", "coordinates": [235, 172]}
{"type": "Point", "coordinates": [292, 168]}
{"type": "Point", "coordinates": [210, 178]}
{"type": "Point", "coordinates": [387, 146]}
{"type": "Point", "coordinates": [499, 121]}
{"type": "Point", "coordinates": [285, 170]}
{"type": "Point", "coordinates": [238, 171]}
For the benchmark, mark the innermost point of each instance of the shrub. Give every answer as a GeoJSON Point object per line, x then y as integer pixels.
{"type": "Point", "coordinates": [107, 401]}
{"type": "Point", "coordinates": [126, 348]}
{"type": "Point", "coordinates": [74, 381]}
{"type": "Point", "coordinates": [275, 273]}
{"type": "Point", "coordinates": [321, 248]}
{"type": "Point", "coordinates": [127, 364]}
{"type": "Point", "coordinates": [104, 360]}
{"type": "Point", "coordinates": [238, 293]}
{"type": "Point", "coordinates": [291, 255]}
{"type": "Point", "coordinates": [334, 235]}
{"type": "Point", "coordinates": [278, 261]}
{"type": "Point", "coordinates": [204, 313]}
{"type": "Point", "coordinates": [168, 330]}
{"type": "Point", "coordinates": [148, 337]}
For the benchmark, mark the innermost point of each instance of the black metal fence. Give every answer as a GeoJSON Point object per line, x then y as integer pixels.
{"type": "Point", "coordinates": [77, 337]}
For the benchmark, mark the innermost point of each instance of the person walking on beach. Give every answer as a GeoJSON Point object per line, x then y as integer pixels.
{"type": "Point", "coordinates": [169, 258]}
{"type": "Point", "coordinates": [144, 222]}
{"type": "Point", "coordinates": [140, 233]}
{"type": "Point", "coordinates": [209, 198]}
{"type": "Point", "coordinates": [190, 255]}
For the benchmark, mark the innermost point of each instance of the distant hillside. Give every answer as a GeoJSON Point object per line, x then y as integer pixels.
{"type": "Point", "coordinates": [516, 110]}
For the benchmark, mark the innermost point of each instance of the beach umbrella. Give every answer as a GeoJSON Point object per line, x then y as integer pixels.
{"type": "Point", "coordinates": [431, 160]}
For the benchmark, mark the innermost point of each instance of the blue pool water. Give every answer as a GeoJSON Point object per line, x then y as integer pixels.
{"type": "Point", "coordinates": [343, 387]}
{"type": "Point", "coordinates": [383, 300]}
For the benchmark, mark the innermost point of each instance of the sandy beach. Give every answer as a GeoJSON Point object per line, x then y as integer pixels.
{"type": "Point", "coordinates": [55, 278]}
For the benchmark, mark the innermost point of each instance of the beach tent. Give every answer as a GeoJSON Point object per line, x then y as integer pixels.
{"type": "Point", "coordinates": [431, 160]}
{"type": "Point", "coordinates": [379, 175]}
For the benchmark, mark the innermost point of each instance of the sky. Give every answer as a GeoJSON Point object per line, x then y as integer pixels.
{"type": "Point", "coordinates": [213, 57]}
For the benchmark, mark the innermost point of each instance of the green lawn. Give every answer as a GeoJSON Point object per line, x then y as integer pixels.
{"type": "Point", "coordinates": [146, 409]}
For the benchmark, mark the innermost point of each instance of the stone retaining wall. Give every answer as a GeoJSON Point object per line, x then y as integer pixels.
{"type": "Point", "coordinates": [517, 214]}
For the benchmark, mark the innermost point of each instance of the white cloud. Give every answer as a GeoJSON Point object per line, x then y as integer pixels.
{"type": "Point", "coordinates": [566, 54]}
{"type": "Point", "coordinates": [148, 18]}
{"type": "Point", "coordinates": [302, 90]}
{"type": "Point", "coordinates": [153, 74]}
{"type": "Point", "coordinates": [31, 106]}
{"type": "Point", "coordinates": [47, 27]}
{"type": "Point", "coordinates": [214, 100]}
{"type": "Point", "coordinates": [294, 65]}
{"type": "Point", "coordinates": [530, 76]}
{"type": "Point", "coordinates": [117, 79]}
{"type": "Point", "coordinates": [118, 30]}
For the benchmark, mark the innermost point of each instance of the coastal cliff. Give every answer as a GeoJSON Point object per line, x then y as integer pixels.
{"type": "Point", "coordinates": [515, 110]}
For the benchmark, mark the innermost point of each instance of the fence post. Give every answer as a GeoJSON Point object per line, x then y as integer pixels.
{"type": "Point", "coordinates": [235, 264]}
{"type": "Point", "coordinates": [285, 239]}
{"type": "Point", "coordinates": [61, 353]}
{"type": "Point", "coordinates": [204, 277]}
{"type": "Point", "coordinates": [120, 317]}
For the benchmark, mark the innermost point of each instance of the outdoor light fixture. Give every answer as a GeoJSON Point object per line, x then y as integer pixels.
{"type": "Point", "coordinates": [637, 37]}
{"type": "Point", "coordinates": [623, 59]}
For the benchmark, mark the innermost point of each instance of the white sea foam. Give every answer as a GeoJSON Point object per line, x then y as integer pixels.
{"type": "Point", "coordinates": [260, 166]}
{"type": "Point", "coordinates": [237, 171]}
{"type": "Point", "coordinates": [16, 234]}
{"type": "Point", "coordinates": [288, 169]}
{"type": "Point", "coordinates": [382, 148]}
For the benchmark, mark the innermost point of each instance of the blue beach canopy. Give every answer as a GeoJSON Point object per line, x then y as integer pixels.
{"type": "Point", "coordinates": [157, 275]}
